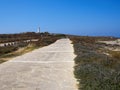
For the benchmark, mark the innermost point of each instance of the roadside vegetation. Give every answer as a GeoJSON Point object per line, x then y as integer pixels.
{"type": "Point", "coordinates": [36, 40]}
{"type": "Point", "coordinates": [94, 69]}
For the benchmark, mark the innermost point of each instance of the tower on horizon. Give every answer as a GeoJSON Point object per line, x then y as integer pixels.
{"type": "Point", "coordinates": [38, 31]}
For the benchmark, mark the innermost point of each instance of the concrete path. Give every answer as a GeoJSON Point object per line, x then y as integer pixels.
{"type": "Point", "coordinates": [47, 68]}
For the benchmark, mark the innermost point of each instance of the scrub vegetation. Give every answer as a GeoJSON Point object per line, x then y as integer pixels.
{"type": "Point", "coordinates": [18, 44]}
{"type": "Point", "coordinates": [94, 69]}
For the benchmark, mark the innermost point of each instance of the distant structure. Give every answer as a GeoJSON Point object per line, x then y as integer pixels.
{"type": "Point", "coordinates": [38, 31]}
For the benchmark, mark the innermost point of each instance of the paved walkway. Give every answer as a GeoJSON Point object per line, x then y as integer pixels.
{"type": "Point", "coordinates": [47, 68]}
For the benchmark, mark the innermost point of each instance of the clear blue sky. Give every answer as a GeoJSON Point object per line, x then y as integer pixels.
{"type": "Point", "coordinates": [81, 17]}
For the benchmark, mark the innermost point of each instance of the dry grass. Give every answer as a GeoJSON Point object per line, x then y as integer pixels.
{"type": "Point", "coordinates": [93, 69]}
{"type": "Point", "coordinates": [115, 54]}
{"type": "Point", "coordinates": [7, 53]}
{"type": "Point", "coordinates": [19, 52]}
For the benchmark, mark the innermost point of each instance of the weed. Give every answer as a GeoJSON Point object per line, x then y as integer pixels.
{"type": "Point", "coordinates": [95, 70]}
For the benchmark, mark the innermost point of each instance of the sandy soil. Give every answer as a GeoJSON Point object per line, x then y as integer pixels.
{"type": "Point", "coordinates": [115, 42]}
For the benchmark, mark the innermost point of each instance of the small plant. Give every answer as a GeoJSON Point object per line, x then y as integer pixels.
{"type": "Point", "coordinates": [115, 54]}
{"type": "Point", "coordinates": [8, 51]}
{"type": "Point", "coordinates": [93, 69]}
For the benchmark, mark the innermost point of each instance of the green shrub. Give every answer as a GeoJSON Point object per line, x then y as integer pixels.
{"type": "Point", "coordinates": [94, 70]}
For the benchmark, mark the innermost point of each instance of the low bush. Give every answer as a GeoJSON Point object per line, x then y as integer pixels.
{"type": "Point", "coordinates": [5, 50]}
{"type": "Point", "coordinates": [44, 40]}
{"type": "Point", "coordinates": [95, 70]}
{"type": "Point", "coordinates": [115, 54]}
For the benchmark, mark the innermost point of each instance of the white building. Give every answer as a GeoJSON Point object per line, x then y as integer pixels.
{"type": "Point", "coordinates": [38, 31]}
